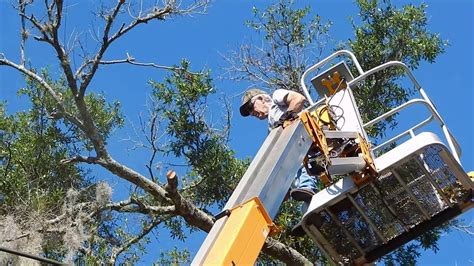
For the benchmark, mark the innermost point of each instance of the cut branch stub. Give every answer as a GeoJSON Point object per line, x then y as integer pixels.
{"type": "Point", "coordinates": [172, 180]}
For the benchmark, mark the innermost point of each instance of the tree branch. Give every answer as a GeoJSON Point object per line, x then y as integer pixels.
{"type": "Point", "coordinates": [24, 34]}
{"type": "Point", "coordinates": [49, 31]}
{"type": "Point", "coordinates": [134, 205]}
{"type": "Point", "coordinates": [465, 228]}
{"type": "Point", "coordinates": [190, 213]}
{"type": "Point", "coordinates": [42, 28]}
{"type": "Point", "coordinates": [132, 61]}
{"type": "Point", "coordinates": [81, 159]}
{"type": "Point", "coordinates": [198, 218]}
{"type": "Point", "coordinates": [170, 8]}
{"type": "Point", "coordinates": [105, 44]}
{"type": "Point", "coordinates": [284, 253]}
{"type": "Point", "coordinates": [116, 251]}
{"type": "Point", "coordinates": [135, 178]}
{"type": "Point", "coordinates": [71, 118]}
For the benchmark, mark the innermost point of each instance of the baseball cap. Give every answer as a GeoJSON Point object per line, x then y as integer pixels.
{"type": "Point", "coordinates": [246, 107]}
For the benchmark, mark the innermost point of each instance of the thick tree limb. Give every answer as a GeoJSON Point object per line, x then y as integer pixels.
{"type": "Point", "coordinates": [126, 173]}
{"type": "Point", "coordinates": [190, 213]}
{"type": "Point", "coordinates": [204, 221]}
{"type": "Point", "coordinates": [284, 253]}
{"type": "Point", "coordinates": [134, 177]}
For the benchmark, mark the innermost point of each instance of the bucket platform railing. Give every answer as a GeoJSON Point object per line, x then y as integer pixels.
{"type": "Point", "coordinates": [420, 184]}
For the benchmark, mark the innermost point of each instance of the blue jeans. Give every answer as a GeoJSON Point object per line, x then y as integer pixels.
{"type": "Point", "coordinates": [305, 181]}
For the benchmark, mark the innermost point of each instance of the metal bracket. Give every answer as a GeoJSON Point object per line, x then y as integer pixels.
{"type": "Point", "coordinates": [338, 158]}
{"type": "Point", "coordinates": [333, 79]}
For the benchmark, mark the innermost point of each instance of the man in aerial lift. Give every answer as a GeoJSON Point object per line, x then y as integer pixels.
{"type": "Point", "coordinates": [282, 106]}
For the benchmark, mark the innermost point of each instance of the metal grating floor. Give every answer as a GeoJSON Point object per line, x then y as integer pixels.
{"type": "Point", "coordinates": [403, 196]}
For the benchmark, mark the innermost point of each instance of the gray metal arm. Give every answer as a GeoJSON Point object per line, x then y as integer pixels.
{"type": "Point", "coordinates": [268, 177]}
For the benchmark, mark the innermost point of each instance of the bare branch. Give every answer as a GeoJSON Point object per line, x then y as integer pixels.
{"type": "Point", "coordinates": [105, 44]}
{"type": "Point", "coordinates": [71, 118]}
{"type": "Point", "coordinates": [175, 69]}
{"type": "Point", "coordinates": [134, 205]}
{"type": "Point", "coordinates": [24, 34]}
{"type": "Point", "coordinates": [49, 10]}
{"type": "Point", "coordinates": [42, 28]}
{"type": "Point", "coordinates": [59, 12]}
{"type": "Point", "coordinates": [61, 52]}
{"type": "Point", "coordinates": [152, 140]}
{"type": "Point", "coordinates": [465, 228]}
{"type": "Point", "coordinates": [81, 159]}
{"type": "Point", "coordinates": [49, 31]}
{"type": "Point", "coordinates": [157, 13]}
{"type": "Point", "coordinates": [249, 65]}
{"type": "Point", "coordinates": [132, 61]}
{"type": "Point", "coordinates": [116, 251]}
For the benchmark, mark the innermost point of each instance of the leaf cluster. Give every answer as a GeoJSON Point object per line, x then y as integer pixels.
{"type": "Point", "coordinates": [174, 257]}
{"type": "Point", "coordinates": [289, 34]}
{"type": "Point", "coordinates": [34, 181]}
{"type": "Point", "coordinates": [31, 174]}
{"type": "Point", "coordinates": [106, 116]}
{"type": "Point", "coordinates": [387, 33]}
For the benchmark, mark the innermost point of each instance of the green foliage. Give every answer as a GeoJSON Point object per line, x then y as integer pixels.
{"type": "Point", "coordinates": [31, 175]}
{"type": "Point", "coordinates": [175, 225]}
{"type": "Point", "coordinates": [288, 35]}
{"type": "Point", "coordinates": [106, 116]}
{"type": "Point", "coordinates": [33, 180]}
{"type": "Point", "coordinates": [174, 257]}
{"type": "Point", "coordinates": [409, 253]}
{"type": "Point", "coordinates": [181, 102]}
{"type": "Point", "coordinates": [284, 27]}
{"type": "Point", "coordinates": [33, 146]}
{"type": "Point", "coordinates": [387, 33]}
{"type": "Point", "coordinates": [288, 216]}
{"type": "Point", "coordinates": [404, 255]}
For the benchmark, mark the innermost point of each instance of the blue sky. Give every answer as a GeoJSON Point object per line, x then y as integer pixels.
{"type": "Point", "coordinates": [202, 38]}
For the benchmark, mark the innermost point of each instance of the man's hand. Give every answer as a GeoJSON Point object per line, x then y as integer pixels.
{"type": "Point", "coordinates": [287, 118]}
